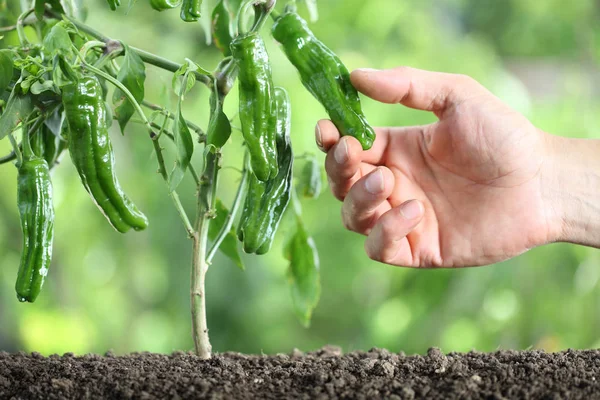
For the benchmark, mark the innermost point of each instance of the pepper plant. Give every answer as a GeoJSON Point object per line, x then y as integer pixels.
{"type": "Point", "coordinates": [53, 99]}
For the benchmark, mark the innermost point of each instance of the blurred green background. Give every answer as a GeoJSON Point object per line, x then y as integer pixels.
{"type": "Point", "coordinates": [131, 292]}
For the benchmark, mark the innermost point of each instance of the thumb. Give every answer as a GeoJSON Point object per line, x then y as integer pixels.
{"type": "Point", "coordinates": [415, 88]}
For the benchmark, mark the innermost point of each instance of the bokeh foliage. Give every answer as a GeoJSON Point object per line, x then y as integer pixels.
{"type": "Point", "coordinates": [131, 292]}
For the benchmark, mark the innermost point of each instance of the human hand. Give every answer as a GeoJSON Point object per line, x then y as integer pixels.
{"type": "Point", "coordinates": [464, 191]}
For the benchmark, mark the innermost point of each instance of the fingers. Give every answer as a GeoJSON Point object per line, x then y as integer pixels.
{"type": "Point", "coordinates": [366, 200]}
{"type": "Point", "coordinates": [415, 88]}
{"type": "Point", "coordinates": [343, 165]}
{"type": "Point", "coordinates": [387, 241]}
{"type": "Point", "coordinates": [327, 135]}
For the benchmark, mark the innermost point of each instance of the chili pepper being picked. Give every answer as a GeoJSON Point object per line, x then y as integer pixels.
{"type": "Point", "coordinates": [266, 202]}
{"type": "Point", "coordinates": [92, 153]}
{"type": "Point", "coordinates": [190, 10]}
{"type": "Point", "coordinates": [161, 5]}
{"type": "Point", "coordinates": [257, 105]}
{"type": "Point", "coordinates": [34, 199]}
{"type": "Point", "coordinates": [325, 77]}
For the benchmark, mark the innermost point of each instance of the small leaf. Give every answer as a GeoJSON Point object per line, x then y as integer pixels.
{"type": "Point", "coordinates": [219, 127]}
{"type": "Point", "coordinates": [132, 75]}
{"type": "Point", "coordinates": [229, 245]}
{"type": "Point", "coordinates": [6, 69]}
{"type": "Point", "coordinates": [185, 148]}
{"type": "Point", "coordinates": [38, 87]}
{"type": "Point", "coordinates": [75, 8]}
{"type": "Point", "coordinates": [303, 273]}
{"type": "Point", "coordinates": [55, 121]}
{"type": "Point", "coordinates": [18, 107]}
{"type": "Point", "coordinates": [58, 40]}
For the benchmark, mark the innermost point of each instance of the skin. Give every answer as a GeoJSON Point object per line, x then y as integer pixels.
{"type": "Point", "coordinates": [479, 186]}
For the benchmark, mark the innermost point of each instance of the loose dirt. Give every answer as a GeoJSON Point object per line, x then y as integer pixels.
{"type": "Point", "coordinates": [324, 374]}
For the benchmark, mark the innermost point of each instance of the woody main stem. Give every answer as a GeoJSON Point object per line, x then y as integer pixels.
{"type": "Point", "coordinates": [206, 199]}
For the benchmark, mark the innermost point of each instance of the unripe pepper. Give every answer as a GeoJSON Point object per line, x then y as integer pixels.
{"type": "Point", "coordinates": [257, 105]}
{"type": "Point", "coordinates": [161, 5]}
{"type": "Point", "coordinates": [47, 145]}
{"type": "Point", "coordinates": [324, 76]}
{"type": "Point", "coordinates": [34, 199]}
{"type": "Point", "coordinates": [190, 10]}
{"type": "Point", "coordinates": [92, 153]}
{"type": "Point", "coordinates": [266, 202]}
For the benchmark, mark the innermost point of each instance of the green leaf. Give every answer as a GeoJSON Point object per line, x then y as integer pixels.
{"type": "Point", "coordinates": [132, 75]}
{"type": "Point", "coordinates": [219, 127]}
{"type": "Point", "coordinates": [229, 245]}
{"type": "Point", "coordinates": [303, 273]}
{"type": "Point", "coordinates": [185, 148]}
{"type": "Point", "coordinates": [313, 10]}
{"type": "Point", "coordinates": [40, 7]}
{"type": "Point", "coordinates": [6, 69]}
{"type": "Point", "coordinates": [75, 8]}
{"type": "Point", "coordinates": [38, 87]}
{"type": "Point", "coordinates": [58, 40]}
{"type": "Point", "coordinates": [18, 107]}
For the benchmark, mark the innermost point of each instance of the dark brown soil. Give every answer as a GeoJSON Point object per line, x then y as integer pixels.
{"type": "Point", "coordinates": [324, 374]}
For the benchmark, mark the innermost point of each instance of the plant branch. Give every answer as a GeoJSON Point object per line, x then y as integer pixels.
{"type": "Point", "coordinates": [147, 57]}
{"type": "Point", "coordinates": [162, 170]}
{"type": "Point", "coordinates": [20, 24]}
{"type": "Point", "coordinates": [237, 202]}
{"type": "Point", "coordinates": [170, 115]}
{"type": "Point", "coordinates": [206, 196]}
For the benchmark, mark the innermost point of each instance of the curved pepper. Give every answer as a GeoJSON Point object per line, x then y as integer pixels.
{"type": "Point", "coordinates": [266, 202]}
{"type": "Point", "coordinates": [161, 5]}
{"type": "Point", "coordinates": [190, 10]}
{"type": "Point", "coordinates": [221, 27]}
{"type": "Point", "coordinates": [324, 76]}
{"type": "Point", "coordinates": [257, 106]}
{"type": "Point", "coordinates": [34, 198]}
{"type": "Point", "coordinates": [92, 153]}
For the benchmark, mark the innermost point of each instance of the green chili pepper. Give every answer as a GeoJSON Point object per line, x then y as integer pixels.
{"type": "Point", "coordinates": [190, 10]}
{"type": "Point", "coordinates": [311, 179]}
{"type": "Point", "coordinates": [161, 5]}
{"type": "Point", "coordinates": [92, 154]}
{"type": "Point", "coordinates": [257, 106]}
{"type": "Point", "coordinates": [266, 202]}
{"type": "Point", "coordinates": [113, 4]}
{"type": "Point", "coordinates": [37, 143]}
{"type": "Point", "coordinates": [221, 27]}
{"type": "Point", "coordinates": [325, 77]}
{"type": "Point", "coordinates": [34, 198]}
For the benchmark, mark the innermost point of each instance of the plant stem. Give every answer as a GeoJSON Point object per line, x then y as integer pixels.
{"type": "Point", "coordinates": [163, 172]}
{"type": "Point", "coordinates": [20, 31]}
{"type": "Point", "coordinates": [206, 196]}
{"type": "Point", "coordinates": [237, 202]}
{"type": "Point", "coordinates": [170, 115]}
{"type": "Point", "coordinates": [147, 57]}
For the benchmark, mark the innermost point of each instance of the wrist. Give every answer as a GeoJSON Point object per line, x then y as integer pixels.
{"type": "Point", "coordinates": [570, 185]}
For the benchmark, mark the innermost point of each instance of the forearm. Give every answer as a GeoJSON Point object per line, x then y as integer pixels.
{"type": "Point", "coordinates": [571, 189]}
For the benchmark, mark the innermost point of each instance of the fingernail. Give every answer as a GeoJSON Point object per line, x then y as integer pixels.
{"type": "Point", "coordinates": [341, 152]}
{"type": "Point", "coordinates": [411, 209]}
{"type": "Point", "coordinates": [367, 70]}
{"type": "Point", "coordinates": [318, 137]}
{"type": "Point", "coordinates": [374, 183]}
